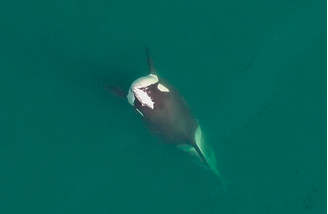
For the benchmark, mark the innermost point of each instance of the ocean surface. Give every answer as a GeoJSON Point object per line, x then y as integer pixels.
{"type": "Point", "coordinates": [254, 73]}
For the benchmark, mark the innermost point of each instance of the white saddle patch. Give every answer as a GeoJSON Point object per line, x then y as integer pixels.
{"type": "Point", "coordinates": [143, 97]}
{"type": "Point", "coordinates": [137, 89]}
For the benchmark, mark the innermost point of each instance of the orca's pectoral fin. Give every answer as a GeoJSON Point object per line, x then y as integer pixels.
{"type": "Point", "coordinates": [150, 62]}
{"type": "Point", "coordinates": [116, 91]}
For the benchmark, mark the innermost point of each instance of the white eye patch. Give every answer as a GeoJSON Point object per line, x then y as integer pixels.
{"type": "Point", "coordinates": [162, 88]}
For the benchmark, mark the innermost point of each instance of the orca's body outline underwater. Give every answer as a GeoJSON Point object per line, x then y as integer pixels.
{"type": "Point", "coordinates": [167, 115]}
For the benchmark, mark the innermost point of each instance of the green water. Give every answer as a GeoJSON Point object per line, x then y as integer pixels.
{"type": "Point", "coordinates": [254, 72]}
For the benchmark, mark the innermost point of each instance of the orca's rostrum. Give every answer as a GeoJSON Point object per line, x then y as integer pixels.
{"type": "Point", "coordinates": [167, 114]}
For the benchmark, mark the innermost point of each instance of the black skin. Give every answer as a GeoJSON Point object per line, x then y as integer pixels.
{"type": "Point", "coordinates": [171, 119]}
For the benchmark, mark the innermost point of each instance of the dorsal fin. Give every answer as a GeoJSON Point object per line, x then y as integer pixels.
{"type": "Point", "coordinates": [151, 67]}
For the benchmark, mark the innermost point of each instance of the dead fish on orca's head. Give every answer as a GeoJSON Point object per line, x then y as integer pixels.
{"type": "Point", "coordinates": [166, 113]}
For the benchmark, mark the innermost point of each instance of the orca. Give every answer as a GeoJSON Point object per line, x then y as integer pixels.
{"type": "Point", "coordinates": [168, 115]}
